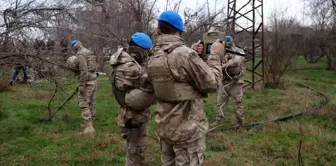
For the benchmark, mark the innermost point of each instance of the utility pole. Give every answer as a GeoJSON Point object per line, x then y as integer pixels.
{"type": "Point", "coordinates": [246, 21]}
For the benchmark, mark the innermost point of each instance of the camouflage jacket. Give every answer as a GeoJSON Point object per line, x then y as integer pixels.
{"type": "Point", "coordinates": [126, 77]}
{"type": "Point", "coordinates": [183, 121]}
{"type": "Point", "coordinates": [83, 73]}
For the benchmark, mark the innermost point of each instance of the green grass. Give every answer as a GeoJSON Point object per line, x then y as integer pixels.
{"type": "Point", "coordinates": [300, 63]}
{"type": "Point", "coordinates": [25, 141]}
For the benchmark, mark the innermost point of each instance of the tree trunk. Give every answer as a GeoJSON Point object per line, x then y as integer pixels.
{"type": "Point", "coordinates": [329, 62]}
{"type": "Point", "coordinates": [329, 59]}
{"type": "Point", "coordinates": [318, 58]}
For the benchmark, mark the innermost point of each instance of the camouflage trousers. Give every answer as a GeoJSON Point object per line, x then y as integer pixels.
{"type": "Point", "coordinates": [87, 100]}
{"type": "Point", "coordinates": [136, 145]}
{"type": "Point", "coordinates": [234, 90]}
{"type": "Point", "coordinates": [191, 154]}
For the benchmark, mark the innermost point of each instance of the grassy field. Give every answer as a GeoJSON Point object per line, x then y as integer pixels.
{"type": "Point", "coordinates": [26, 141]}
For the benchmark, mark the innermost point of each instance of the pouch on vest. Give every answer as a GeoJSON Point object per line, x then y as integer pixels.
{"type": "Point", "coordinates": [91, 63]}
{"type": "Point", "coordinates": [118, 95]}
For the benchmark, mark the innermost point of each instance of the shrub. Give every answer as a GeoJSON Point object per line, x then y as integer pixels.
{"type": "Point", "coordinates": [4, 85]}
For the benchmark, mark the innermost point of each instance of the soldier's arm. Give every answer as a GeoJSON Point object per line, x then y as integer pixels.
{"type": "Point", "coordinates": [145, 83]}
{"type": "Point", "coordinates": [127, 77]}
{"type": "Point", "coordinates": [227, 60]}
{"type": "Point", "coordinates": [203, 76]}
{"type": "Point", "coordinates": [214, 63]}
{"type": "Point", "coordinates": [72, 64]}
{"type": "Point", "coordinates": [233, 61]}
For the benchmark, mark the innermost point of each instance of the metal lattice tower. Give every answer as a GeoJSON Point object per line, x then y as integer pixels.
{"type": "Point", "coordinates": [246, 25]}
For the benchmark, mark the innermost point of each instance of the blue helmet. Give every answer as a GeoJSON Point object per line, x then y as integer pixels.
{"type": "Point", "coordinates": [142, 40]}
{"type": "Point", "coordinates": [74, 42]}
{"type": "Point", "coordinates": [173, 19]}
{"type": "Point", "coordinates": [228, 38]}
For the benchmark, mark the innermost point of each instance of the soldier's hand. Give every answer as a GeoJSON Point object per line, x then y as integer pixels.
{"type": "Point", "coordinates": [129, 124]}
{"type": "Point", "coordinates": [198, 47]}
{"type": "Point", "coordinates": [217, 48]}
{"type": "Point", "coordinates": [195, 45]}
{"type": "Point", "coordinates": [227, 64]}
{"type": "Point", "coordinates": [238, 76]}
{"type": "Point", "coordinates": [145, 84]}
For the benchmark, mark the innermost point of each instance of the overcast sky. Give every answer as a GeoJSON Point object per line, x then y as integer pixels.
{"type": "Point", "coordinates": [291, 8]}
{"type": "Point", "coordinates": [294, 8]}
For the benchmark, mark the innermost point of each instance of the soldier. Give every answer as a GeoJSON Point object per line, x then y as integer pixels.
{"type": "Point", "coordinates": [18, 67]}
{"type": "Point", "coordinates": [134, 103]}
{"type": "Point", "coordinates": [84, 66]}
{"type": "Point", "coordinates": [232, 85]}
{"type": "Point", "coordinates": [180, 80]}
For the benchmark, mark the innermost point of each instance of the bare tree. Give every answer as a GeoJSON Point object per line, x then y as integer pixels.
{"type": "Point", "coordinates": [173, 5]}
{"type": "Point", "coordinates": [24, 39]}
{"type": "Point", "coordinates": [105, 24]}
{"type": "Point", "coordinates": [323, 14]}
{"type": "Point", "coordinates": [200, 20]}
{"type": "Point", "coordinates": [281, 46]}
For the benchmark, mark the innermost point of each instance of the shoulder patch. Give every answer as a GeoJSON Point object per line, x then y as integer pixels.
{"type": "Point", "coordinates": [193, 54]}
{"type": "Point", "coordinates": [186, 51]}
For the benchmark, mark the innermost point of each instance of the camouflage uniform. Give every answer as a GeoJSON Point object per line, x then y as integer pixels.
{"type": "Point", "coordinates": [126, 77]}
{"type": "Point", "coordinates": [232, 85]}
{"type": "Point", "coordinates": [84, 65]}
{"type": "Point", "coordinates": [180, 79]}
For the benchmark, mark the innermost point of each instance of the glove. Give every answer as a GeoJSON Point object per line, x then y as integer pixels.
{"type": "Point", "coordinates": [198, 47]}
{"type": "Point", "coordinates": [238, 76]}
{"type": "Point", "coordinates": [124, 133]}
{"type": "Point", "coordinates": [130, 125]}
{"type": "Point", "coordinates": [145, 84]}
{"type": "Point", "coordinates": [217, 48]}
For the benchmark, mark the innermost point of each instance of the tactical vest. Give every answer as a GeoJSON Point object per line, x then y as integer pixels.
{"type": "Point", "coordinates": [91, 62]}
{"type": "Point", "coordinates": [166, 88]}
{"type": "Point", "coordinates": [118, 95]}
